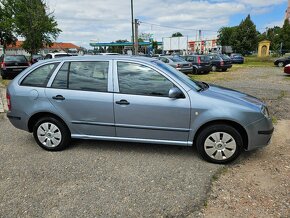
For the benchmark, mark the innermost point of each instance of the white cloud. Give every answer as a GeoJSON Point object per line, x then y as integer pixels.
{"type": "Point", "coordinates": [110, 20]}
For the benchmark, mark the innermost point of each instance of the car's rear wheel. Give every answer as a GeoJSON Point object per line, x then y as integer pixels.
{"type": "Point", "coordinates": [219, 143]}
{"type": "Point", "coordinates": [214, 68]}
{"type": "Point", "coordinates": [280, 64]}
{"type": "Point", "coordinates": [194, 71]}
{"type": "Point", "coordinates": [51, 134]}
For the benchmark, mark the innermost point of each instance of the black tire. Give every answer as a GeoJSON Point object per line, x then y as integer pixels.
{"type": "Point", "coordinates": [219, 143]}
{"type": "Point", "coordinates": [51, 134]}
{"type": "Point", "coordinates": [194, 71]}
{"type": "Point", "coordinates": [224, 70]}
{"type": "Point", "coordinates": [213, 68]}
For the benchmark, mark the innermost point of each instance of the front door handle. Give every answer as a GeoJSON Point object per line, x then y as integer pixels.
{"type": "Point", "coordinates": [58, 97]}
{"type": "Point", "coordinates": [123, 102]}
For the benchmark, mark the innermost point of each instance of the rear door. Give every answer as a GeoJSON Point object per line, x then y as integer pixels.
{"type": "Point", "coordinates": [82, 93]}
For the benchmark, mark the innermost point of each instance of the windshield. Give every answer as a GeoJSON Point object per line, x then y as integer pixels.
{"type": "Point", "coordinates": [225, 57]}
{"type": "Point", "coordinates": [16, 58]}
{"type": "Point", "coordinates": [184, 78]}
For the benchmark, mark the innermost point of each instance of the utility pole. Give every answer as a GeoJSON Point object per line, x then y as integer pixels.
{"type": "Point", "coordinates": [136, 37]}
{"type": "Point", "coordinates": [132, 23]}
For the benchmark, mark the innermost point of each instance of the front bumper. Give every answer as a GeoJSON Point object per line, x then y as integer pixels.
{"type": "Point", "coordinates": [259, 133]}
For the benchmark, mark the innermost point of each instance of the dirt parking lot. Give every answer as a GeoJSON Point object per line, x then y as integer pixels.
{"type": "Point", "coordinates": [258, 185]}
{"type": "Point", "coordinates": [104, 179]}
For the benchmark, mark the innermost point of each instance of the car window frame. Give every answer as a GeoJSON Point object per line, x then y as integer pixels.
{"type": "Point", "coordinates": [116, 78]}
{"type": "Point", "coordinates": [109, 82]}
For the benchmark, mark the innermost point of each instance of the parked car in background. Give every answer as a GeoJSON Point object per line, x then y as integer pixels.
{"type": "Point", "coordinates": [220, 62]}
{"type": "Point", "coordinates": [200, 63]}
{"type": "Point", "coordinates": [135, 99]}
{"type": "Point", "coordinates": [287, 69]}
{"type": "Point", "coordinates": [237, 58]}
{"type": "Point", "coordinates": [35, 58]}
{"type": "Point", "coordinates": [178, 63]}
{"type": "Point", "coordinates": [56, 55]}
{"type": "Point", "coordinates": [108, 53]}
{"type": "Point", "coordinates": [12, 65]}
{"type": "Point", "coordinates": [281, 62]}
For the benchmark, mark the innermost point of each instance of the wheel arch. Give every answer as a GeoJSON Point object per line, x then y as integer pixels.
{"type": "Point", "coordinates": [33, 119]}
{"type": "Point", "coordinates": [233, 124]}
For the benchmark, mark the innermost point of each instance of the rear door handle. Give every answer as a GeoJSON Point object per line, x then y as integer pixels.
{"type": "Point", "coordinates": [123, 102]}
{"type": "Point", "coordinates": [58, 97]}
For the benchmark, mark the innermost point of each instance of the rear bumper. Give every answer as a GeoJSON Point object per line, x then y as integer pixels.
{"type": "Point", "coordinates": [185, 70]}
{"type": "Point", "coordinates": [202, 69]}
{"type": "Point", "coordinates": [11, 72]}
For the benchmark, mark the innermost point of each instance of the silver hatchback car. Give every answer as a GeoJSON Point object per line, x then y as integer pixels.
{"type": "Point", "coordinates": [135, 99]}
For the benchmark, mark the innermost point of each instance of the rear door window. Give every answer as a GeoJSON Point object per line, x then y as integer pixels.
{"type": "Point", "coordinates": [85, 76]}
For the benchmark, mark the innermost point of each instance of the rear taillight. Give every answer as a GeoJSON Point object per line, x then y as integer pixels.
{"type": "Point", "coordinates": [198, 60]}
{"type": "Point", "coordinates": [222, 63]}
{"type": "Point", "coordinates": [3, 66]}
{"type": "Point", "coordinates": [8, 101]}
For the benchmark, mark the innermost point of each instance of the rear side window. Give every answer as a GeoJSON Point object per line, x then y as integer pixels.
{"type": "Point", "coordinates": [85, 76]}
{"type": "Point", "coordinates": [40, 76]}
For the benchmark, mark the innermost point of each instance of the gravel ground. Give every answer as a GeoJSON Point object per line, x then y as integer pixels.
{"type": "Point", "coordinates": [258, 185]}
{"type": "Point", "coordinates": [99, 179]}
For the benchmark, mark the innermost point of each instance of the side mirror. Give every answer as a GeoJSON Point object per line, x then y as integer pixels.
{"type": "Point", "coordinates": [175, 93]}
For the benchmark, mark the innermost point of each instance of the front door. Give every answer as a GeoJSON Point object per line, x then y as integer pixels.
{"type": "Point", "coordinates": [143, 109]}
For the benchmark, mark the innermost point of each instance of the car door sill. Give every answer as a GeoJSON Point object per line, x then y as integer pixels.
{"type": "Point", "coordinates": [149, 141]}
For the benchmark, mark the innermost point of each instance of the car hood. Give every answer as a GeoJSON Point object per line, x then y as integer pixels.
{"type": "Point", "coordinates": [233, 96]}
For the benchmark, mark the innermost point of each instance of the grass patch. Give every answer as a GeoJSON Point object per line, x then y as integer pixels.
{"type": "Point", "coordinates": [254, 61]}
{"type": "Point", "coordinates": [274, 120]}
{"type": "Point", "coordinates": [213, 76]}
{"type": "Point", "coordinates": [4, 82]}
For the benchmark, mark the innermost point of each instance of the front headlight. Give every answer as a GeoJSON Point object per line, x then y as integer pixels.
{"type": "Point", "coordinates": [265, 112]}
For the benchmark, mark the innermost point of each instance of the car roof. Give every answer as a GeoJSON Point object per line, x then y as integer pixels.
{"type": "Point", "coordinates": [100, 58]}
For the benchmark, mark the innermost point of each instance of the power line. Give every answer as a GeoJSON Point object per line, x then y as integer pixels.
{"type": "Point", "coordinates": [173, 27]}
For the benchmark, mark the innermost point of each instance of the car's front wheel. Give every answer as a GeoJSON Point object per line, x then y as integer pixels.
{"type": "Point", "coordinates": [51, 134]}
{"type": "Point", "coordinates": [219, 143]}
{"type": "Point", "coordinates": [280, 64]}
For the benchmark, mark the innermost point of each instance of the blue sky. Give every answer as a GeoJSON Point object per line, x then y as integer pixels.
{"type": "Point", "coordinates": [274, 16]}
{"type": "Point", "coordinates": [88, 21]}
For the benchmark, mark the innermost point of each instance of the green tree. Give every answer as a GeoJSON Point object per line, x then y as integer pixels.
{"type": "Point", "coordinates": [35, 24]}
{"type": "Point", "coordinates": [246, 36]}
{"type": "Point", "coordinates": [7, 35]}
{"type": "Point", "coordinates": [227, 36]}
{"type": "Point", "coordinates": [177, 34]}
{"type": "Point", "coordinates": [285, 36]}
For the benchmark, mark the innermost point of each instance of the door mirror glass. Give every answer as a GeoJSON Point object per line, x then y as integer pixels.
{"type": "Point", "coordinates": [175, 93]}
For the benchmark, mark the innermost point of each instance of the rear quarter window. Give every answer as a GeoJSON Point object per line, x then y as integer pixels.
{"type": "Point", "coordinates": [40, 76]}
